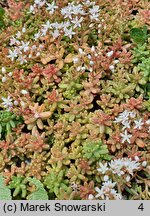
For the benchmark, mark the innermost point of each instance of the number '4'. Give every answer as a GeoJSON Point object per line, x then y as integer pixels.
{"type": "Point", "coordinates": [141, 207]}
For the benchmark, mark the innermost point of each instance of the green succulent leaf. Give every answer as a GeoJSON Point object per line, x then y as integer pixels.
{"type": "Point", "coordinates": [139, 35]}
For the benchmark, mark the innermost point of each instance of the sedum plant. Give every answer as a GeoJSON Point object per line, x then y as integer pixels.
{"type": "Point", "coordinates": [8, 121]}
{"type": "Point", "coordinates": [74, 99]}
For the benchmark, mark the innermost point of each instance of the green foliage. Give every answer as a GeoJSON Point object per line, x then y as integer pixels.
{"type": "Point", "coordinates": [54, 181]}
{"type": "Point", "coordinates": [40, 193]}
{"type": "Point", "coordinates": [19, 185]}
{"type": "Point", "coordinates": [95, 150]}
{"type": "Point", "coordinates": [139, 35]}
{"type": "Point", "coordinates": [147, 103]}
{"type": "Point", "coordinates": [2, 12]}
{"type": "Point", "coordinates": [8, 120]}
{"type": "Point", "coordinates": [70, 87]}
{"type": "Point", "coordinates": [140, 52]}
{"type": "Point", "coordinates": [144, 66]}
{"type": "Point", "coordinates": [5, 192]}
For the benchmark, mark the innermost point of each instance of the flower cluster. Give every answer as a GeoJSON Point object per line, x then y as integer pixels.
{"type": "Point", "coordinates": [122, 167]}
{"type": "Point", "coordinates": [74, 99]}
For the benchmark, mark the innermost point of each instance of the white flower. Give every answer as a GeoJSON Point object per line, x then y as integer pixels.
{"type": "Point", "coordinates": [124, 116]}
{"type": "Point", "coordinates": [23, 29]}
{"type": "Point", "coordinates": [37, 35]}
{"type": "Point", "coordinates": [148, 121]}
{"type": "Point", "coordinates": [4, 79]}
{"type": "Point", "coordinates": [3, 70]}
{"type": "Point", "coordinates": [39, 2]}
{"type": "Point", "coordinates": [24, 46]}
{"type": "Point", "coordinates": [126, 137]}
{"type": "Point", "coordinates": [132, 114]}
{"type": "Point", "coordinates": [41, 46]}
{"type": "Point", "coordinates": [91, 63]}
{"type": "Point", "coordinates": [22, 59]}
{"type": "Point", "coordinates": [75, 60]}
{"type": "Point", "coordinates": [18, 35]}
{"type": "Point", "coordinates": [100, 192]}
{"type": "Point", "coordinates": [127, 178]}
{"type": "Point", "coordinates": [77, 9]}
{"type": "Point", "coordinates": [94, 17]}
{"type": "Point", "coordinates": [44, 31]}
{"type": "Point", "coordinates": [69, 32]}
{"type": "Point", "coordinates": [125, 164]}
{"type": "Point", "coordinates": [138, 124]}
{"type": "Point", "coordinates": [61, 25]}
{"type": "Point", "coordinates": [12, 54]}
{"type": "Point", "coordinates": [109, 54]}
{"type": "Point", "coordinates": [131, 165]}
{"type": "Point", "coordinates": [33, 47]}
{"type": "Point", "coordinates": [90, 69]}
{"type": "Point", "coordinates": [14, 41]}
{"type": "Point", "coordinates": [71, 9]}
{"type": "Point", "coordinates": [24, 92]}
{"type": "Point", "coordinates": [144, 163]}
{"type": "Point", "coordinates": [107, 191]}
{"type": "Point", "coordinates": [106, 178]}
{"type": "Point", "coordinates": [77, 22]}
{"type": "Point", "coordinates": [78, 68]}
{"type": "Point", "coordinates": [93, 49]}
{"type": "Point", "coordinates": [7, 102]}
{"type": "Point", "coordinates": [111, 67]}
{"type": "Point", "coordinates": [126, 124]}
{"type": "Point", "coordinates": [116, 166]}
{"type": "Point", "coordinates": [95, 9]}
{"type": "Point", "coordinates": [83, 68]}
{"type": "Point", "coordinates": [94, 13]}
{"type": "Point", "coordinates": [116, 61]}
{"type": "Point", "coordinates": [15, 102]}
{"type": "Point", "coordinates": [47, 25]}
{"type": "Point", "coordinates": [56, 33]}
{"type": "Point", "coordinates": [103, 168]}
{"type": "Point", "coordinates": [66, 12]}
{"type": "Point", "coordinates": [88, 3]}
{"type": "Point", "coordinates": [74, 186]}
{"type": "Point", "coordinates": [18, 51]}
{"type": "Point", "coordinates": [10, 74]}
{"type": "Point", "coordinates": [38, 54]}
{"type": "Point", "coordinates": [31, 9]}
{"type": "Point", "coordinates": [90, 197]}
{"type": "Point", "coordinates": [136, 158]}
{"type": "Point", "coordinates": [89, 56]}
{"type": "Point", "coordinates": [81, 51]}
{"type": "Point", "coordinates": [51, 7]}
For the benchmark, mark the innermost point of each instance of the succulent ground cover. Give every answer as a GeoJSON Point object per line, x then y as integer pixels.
{"type": "Point", "coordinates": [75, 99]}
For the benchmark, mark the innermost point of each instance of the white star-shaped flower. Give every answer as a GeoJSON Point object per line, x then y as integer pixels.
{"type": "Point", "coordinates": [77, 22]}
{"type": "Point", "coordinates": [7, 102]}
{"type": "Point", "coordinates": [138, 124]}
{"type": "Point", "coordinates": [24, 46]}
{"type": "Point", "coordinates": [47, 25]}
{"type": "Point", "coordinates": [12, 54]}
{"type": "Point", "coordinates": [126, 137]}
{"type": "Point", "coordinates": [103, 168]}
{"type": "Point", "coordinates": [13, 41]}
{"type": "Point", "coordinates": [69, 32]}
{"type": "Point", "coordinates": [51, 7]}
{"type": "Point", "coordinates": [126, 124]}
{"type": "Point", "coordinates": [56, 33]}
{"type": "Point", "coordinates": [37, 35]}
